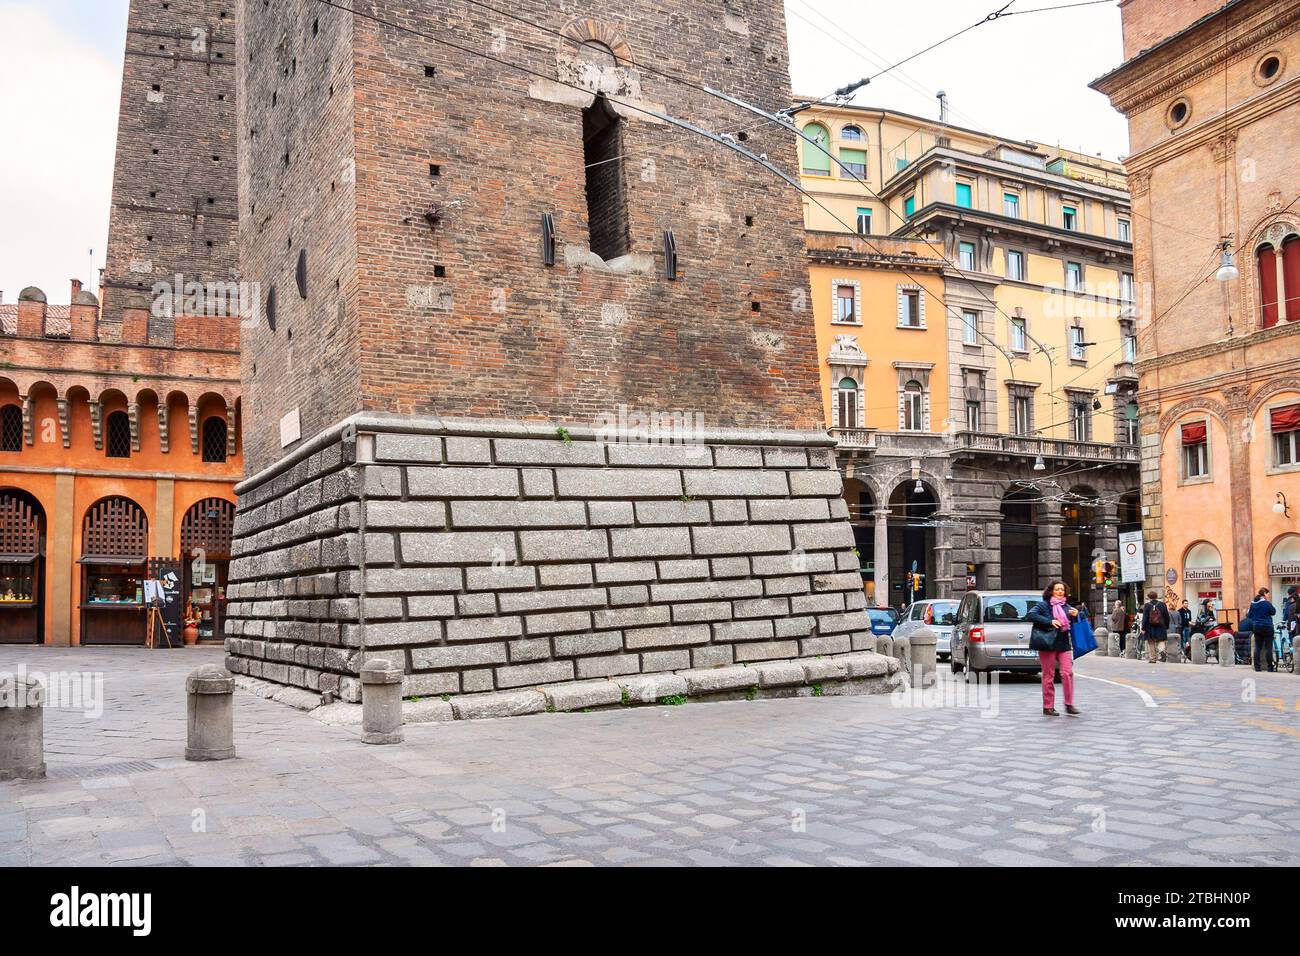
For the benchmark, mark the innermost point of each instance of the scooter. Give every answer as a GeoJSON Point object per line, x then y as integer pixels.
{"type": "Point", "coordinates": [1217, 630]}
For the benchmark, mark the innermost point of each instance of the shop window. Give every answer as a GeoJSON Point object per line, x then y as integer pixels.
{"type": "Point", "coordinates": [1285, 425]}
{"type": "Point", "coordinates": [1196, 450]}
{"type": "Point", "coordinates": [117, 441]}
{"type": "Point", "coordinates": [11, 428]}
{"type": "Point", "coordinates": [214, 439]}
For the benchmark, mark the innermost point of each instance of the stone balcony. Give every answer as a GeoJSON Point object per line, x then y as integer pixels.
{"type": "Point", "coordinates": [1025, 446]}
{"type": "Point", "coordinates": [854, 439]}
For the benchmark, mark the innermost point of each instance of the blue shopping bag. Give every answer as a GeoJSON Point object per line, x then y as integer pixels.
{"type": "Point", "coordinates": [1082, 637]}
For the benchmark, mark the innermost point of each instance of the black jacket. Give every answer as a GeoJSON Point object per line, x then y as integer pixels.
{"type": "Point", "coordinates": [1155, 632]}
{"type": "Point", "coordinates": [1040, 615]}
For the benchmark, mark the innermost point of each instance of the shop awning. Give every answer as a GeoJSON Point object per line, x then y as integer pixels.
{"type": "Point", "coordinates": [26, 558]}
{"type": "Point", "coordinates": [1286, 418]}
{"type": "Point", "coordinates": [1194, 433]}
{"type": "Point", "coordinates": [127, 559]}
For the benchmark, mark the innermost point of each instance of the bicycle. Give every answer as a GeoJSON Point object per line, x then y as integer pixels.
{"type": "Point", "coordinates": [1284, 652]}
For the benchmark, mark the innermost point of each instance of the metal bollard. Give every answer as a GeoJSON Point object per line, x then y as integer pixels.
{"type": "Point", "coordinates": [1227, 652]}
{"type": "Point", "coordinates": [1112, 645]}
{"type": "Point", "coordinates": [381, 702]}
{"type": "Point", "coordinates": [210, 711]}
{"type": "Point", "coordinates": [924, 657]}
{"type": "Point", "coordinates": [1198, 648]}
{"type": "Point", "coordinates": [1103, 641]}
{"type": "Point", "coordinates": [22, 728]}
{"type": "Point", "coordinates": [885, 645]}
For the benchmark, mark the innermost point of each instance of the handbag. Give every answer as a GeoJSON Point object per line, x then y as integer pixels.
{"type": "Point", "coordinates": [1042, 638]}
{"type": "Point", "coordinates": [1082, 637]}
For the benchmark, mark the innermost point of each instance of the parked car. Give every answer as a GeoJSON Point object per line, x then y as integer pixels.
{"type": "Point", "coordinates": [938, 615]}
{"type": "Point", "coordinates": [992, 633]}
{"type": "Point", "coordinates": [883, 620]}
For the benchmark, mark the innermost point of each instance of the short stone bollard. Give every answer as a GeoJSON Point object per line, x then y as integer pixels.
{"type": "Point", "coordinates": [1227, 652]}
{"type": "Point", "coordinates": [210, 711]}
{"type": "Point", "coordinates": [1174, 648]}
{"type": "Point", "coordinates": [1198, 648]}
{"type": "Point", "coordinates": [381, 702]}
{"type": "Point", "coordinates": [1103, 641]}
{"type": "Point", "coordinates": [1112, 645]}
{"type": "Point", "coordinates": [924, 656]}
{"type": "Point", "coordinates": [885, 645]}
{"type": "Point", "coordinates": [1131, 648]}
{"type": "Point", "coordinates": [22, 728]}
{"type": "Point", "coordinates": [903, 651]}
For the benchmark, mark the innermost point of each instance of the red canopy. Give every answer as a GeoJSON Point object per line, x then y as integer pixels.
{"type": "Point", "coordinates": [1286, 418]}
{"type": "Point", "coordinates": [1194, 433]}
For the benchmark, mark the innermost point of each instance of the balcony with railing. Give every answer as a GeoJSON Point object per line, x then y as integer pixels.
{"type": "Point", "coordinates": [1029, 446]}
{"type": "Point", "coordinates": [854, 439]}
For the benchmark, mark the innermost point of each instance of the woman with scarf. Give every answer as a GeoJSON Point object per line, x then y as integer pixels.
{"type": "Point", "coordinates": [1051, 637]}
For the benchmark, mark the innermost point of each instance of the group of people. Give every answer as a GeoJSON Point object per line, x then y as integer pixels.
{"type": "Point", "coordinates": [1156, 620]}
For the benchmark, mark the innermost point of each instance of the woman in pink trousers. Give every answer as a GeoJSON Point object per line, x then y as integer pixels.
{"type": "Point", "coordinates": [1051, 637]}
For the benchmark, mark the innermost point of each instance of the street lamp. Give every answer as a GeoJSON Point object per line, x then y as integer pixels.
{"type": "Point", "coordinates": [1280, 506]}
{"type": "Point", "coordinates": [1227, 268]}
{"type": "Point", "coordinates": [1039, 464]}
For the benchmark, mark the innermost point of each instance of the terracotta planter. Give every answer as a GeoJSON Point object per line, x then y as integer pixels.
{"type": "Point", "coordinates": [190, 635]}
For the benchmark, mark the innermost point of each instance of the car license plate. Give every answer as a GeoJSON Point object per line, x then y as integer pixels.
{"type": "Point", "coordinates": [1018, 652]}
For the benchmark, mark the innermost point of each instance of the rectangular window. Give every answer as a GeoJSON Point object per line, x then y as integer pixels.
{"type": "Point", "coordinates": [909, 206]}
{"type": "Point", "coordinates": [607, 219]}
{"type": "Point", "coordinates": [1126, 286]}
{"type": "Point", "coordinates": [1011, 205]}
{"type": "Point", "coordinates": [1019, 335]}
{"type": "Point", "coordinates": [864, 222]}
{"type": "Point", "coordinates": [1130, 348]}
{"type": "Point", "coordinates": [912, 309]}
{"type": "Point", "coordinates": [913, 408]}
{"type": "Point", "coordinates": [846, 404]}
{"type": "Point", "coordinates": [963, 195]}
{"type": "Point", "coordinates": [854, 162]}
{"type": "Point", "coordinates": [1078, 346]}
{"type": "Point", "coordinates": [969, 327]}
{"type": "Point", "coordinates": [973, 416]}
{"type": "Point", "coordinates": [1081, 420]}
{"type": "Point", "coordinates": [1069, 217]}
{"type": "Point", "coordinates": [1285, 424]}
{"type": "Point", "coordinates": [1125, 231]}
{"type": "Point", "coordinates": [1020, 414]}
{"type": "Point", "coordinates": [1131, 431]}
{"type": "Point", "coordinates": [1015, 265]}
{"type": "Point", "coordinates": [1196, 450]}
{"type": "Point", "coordinates": [966, 256]}
{"type": "Point", "coordinates": [845, 310]}
{"type": "Point", "coordinates": [1073, 276]}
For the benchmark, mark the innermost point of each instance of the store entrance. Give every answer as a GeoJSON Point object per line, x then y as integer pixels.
{"type": "Point", "coordinates": [22, 568]}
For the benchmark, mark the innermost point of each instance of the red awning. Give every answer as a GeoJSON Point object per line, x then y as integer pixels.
{"type": "Point", "coordinates": [1194, 433]}
{"type": "Point", "coordinates": [1286, 418]}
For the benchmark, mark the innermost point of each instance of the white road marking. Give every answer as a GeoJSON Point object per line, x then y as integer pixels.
{"type": "Point", "coordinates": [1146, 698]}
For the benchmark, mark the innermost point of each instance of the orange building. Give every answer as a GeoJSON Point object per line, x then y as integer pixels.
{"type": "Point", "coordinates": [112, 454]}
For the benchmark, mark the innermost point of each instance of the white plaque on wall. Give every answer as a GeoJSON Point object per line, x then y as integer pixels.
{"type": "Point", "coordinates": [290, 428]}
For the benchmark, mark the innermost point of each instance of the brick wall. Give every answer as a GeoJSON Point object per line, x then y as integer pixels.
{"type": "Point", "coordinates": [499, 558]}
{"type": "Point", "coordinates": [1147, 22]}
{"type": "Point", "coordinates": [174, 178]}
{"type": "Point", "coordinates": [461, 317]}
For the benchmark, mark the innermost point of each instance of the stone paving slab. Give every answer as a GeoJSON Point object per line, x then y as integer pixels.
{"type": "Point", "coordinates": [1204, 777]}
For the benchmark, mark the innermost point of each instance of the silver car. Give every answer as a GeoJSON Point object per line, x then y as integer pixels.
{"type": "Point", "coordinates": [938, 615]}
{"type": "Point", "coordinates": [992, 633]}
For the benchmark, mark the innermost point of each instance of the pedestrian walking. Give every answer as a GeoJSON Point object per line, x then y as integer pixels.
{"type": "Point", "coordinates": [1260, 619]}
{"type": "Point", "coordinates": [1155, 624]}
{"type": "Point", "coordinates": [1052, 618]}
{"type": "Point", "coordinates": [1117, 616]}
{"type": "Point", "coordinates": [1185, 625]}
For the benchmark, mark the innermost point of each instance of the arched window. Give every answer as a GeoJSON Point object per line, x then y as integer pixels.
{"type": "Point", "coordinates": [913, 407]}
{"type": "Point", "coordinates": [11, 428]}
{"type": "Point", "coordinates": [816, 161]}
{"type": "Point", "coordinates": [1266, 261]}
{"type": "Point", "coordinates": [1291, 277]}
{"type": "Point", "coordinates": [852, 132]}
{"type": "Point", "coordinates": [117, 442]}
{"type": "Point", "coordinates": [846, 404]}
{"type": "Point", "coordinates": [214, 439]}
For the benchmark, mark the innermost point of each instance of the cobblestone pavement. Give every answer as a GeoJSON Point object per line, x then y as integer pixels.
{"type": "Point", "coordinates": [1205, 776]}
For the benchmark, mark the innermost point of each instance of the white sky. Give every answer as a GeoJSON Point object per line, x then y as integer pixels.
{"type": "Point", "coordinates": [1023, 77]}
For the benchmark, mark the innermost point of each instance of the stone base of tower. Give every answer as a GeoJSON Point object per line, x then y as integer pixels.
{"type": "Point", "coordinates": [488, 556]}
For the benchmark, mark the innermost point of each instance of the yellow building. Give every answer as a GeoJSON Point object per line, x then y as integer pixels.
{"type": "Point", "coordinates": [976, 318]}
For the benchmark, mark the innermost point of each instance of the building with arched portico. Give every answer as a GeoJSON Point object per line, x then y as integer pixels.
{"type": "Point", "coordinates": [112, 454]}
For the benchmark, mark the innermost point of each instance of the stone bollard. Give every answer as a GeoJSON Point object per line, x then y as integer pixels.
{"type": "Point", "coordinates": [1227, 652]}
{"type": "Point", "coordinates": [1174, 648]}
{"type": "Point", "coordinates": [903, 651]}
{"type": "Point", "coordinates": [1131, 648]}
{"type": "Point", "coordinates": [210, 711]}
{"type": "Point", "coordinates": [924, 657]}
{"type": "Point", "coordinates": [1112, 645]}
{"type": "Point", "coordinates": [22, 728]}
{"type": "Point", "coordinates": [885, 645]}
{"type": "Point", "coordinates": [1198, 648]}
{"type": "Point", "coordinates": [1103, 641]}
{"type": "Point", "coordinates": [381, 702]}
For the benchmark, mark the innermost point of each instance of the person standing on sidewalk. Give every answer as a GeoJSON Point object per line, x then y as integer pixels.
{"type": "Point", "coordinates": [1117, 616]}
{"type": "Point", "coordinates": [1155, 624]}
{"type": "Point", "coordinates": [1261, 616]}
{"type": "Point", "coordinates": [1052, 617]}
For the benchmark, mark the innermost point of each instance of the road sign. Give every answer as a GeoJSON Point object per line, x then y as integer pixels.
{"type": "Point", "coordinates": [1132, 557]}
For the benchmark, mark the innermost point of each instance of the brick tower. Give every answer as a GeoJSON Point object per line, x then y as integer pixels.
{"type": "Point", "coordinates": [174, 180]}
{"type": "Point", "coordinates": [534, 392]}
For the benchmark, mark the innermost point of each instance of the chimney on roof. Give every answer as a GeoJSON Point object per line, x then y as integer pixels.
{"type": "Point", "coordinates": [76, 287]}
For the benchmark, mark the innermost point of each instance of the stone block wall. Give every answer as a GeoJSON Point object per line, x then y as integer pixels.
{"type": "Point", "coordinates": [487, 556]}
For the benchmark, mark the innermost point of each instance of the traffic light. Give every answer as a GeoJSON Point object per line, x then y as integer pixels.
{"type": "Point", "coordinates": [1108, 572]}
{"type": "Point", "coordinates": [1099, 573]}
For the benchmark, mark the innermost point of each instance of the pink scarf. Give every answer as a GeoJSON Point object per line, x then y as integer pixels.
{"type": "Point", "coordinates": [1058, 611]}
